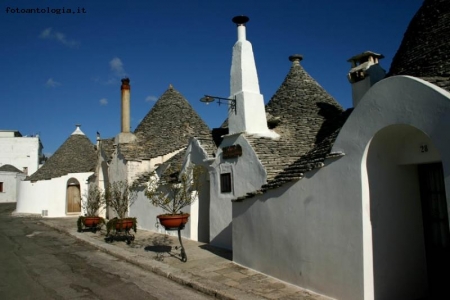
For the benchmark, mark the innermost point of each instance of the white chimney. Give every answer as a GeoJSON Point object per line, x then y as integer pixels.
{"type": "Point", "coordinates": [365, 72]}
{"type": "Point", "coordinates": [249, 115]}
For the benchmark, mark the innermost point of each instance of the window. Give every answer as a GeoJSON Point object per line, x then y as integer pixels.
{"type": "Point", "coordinates": [225, 183]}
{"type": "Point", "coordinates": [1, 187]}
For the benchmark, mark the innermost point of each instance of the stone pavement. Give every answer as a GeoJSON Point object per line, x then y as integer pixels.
{"type": "Point", "coordinates": [208, 269]}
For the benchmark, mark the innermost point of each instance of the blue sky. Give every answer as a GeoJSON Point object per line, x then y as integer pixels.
{"type": "Point", "coordinates": [62, 69]}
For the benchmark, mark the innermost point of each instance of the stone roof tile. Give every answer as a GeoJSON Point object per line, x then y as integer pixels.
{"type": "Point", "coordinates": [107, 146]}
{"type": "Point", "coordinates": [307, 162]}
{"type": "Point", "coordinates": [167, 127]}
{"type": "Point", "coordinates": [173, 165]}
{"type": "Point", "coordinates": [9, 168]}
{"type": "Point", "coordinates": [425, 49]}
{"type": "Point", "coordinates": [76, 155]}
{"type": "Point", "coordinates": [305, 115]}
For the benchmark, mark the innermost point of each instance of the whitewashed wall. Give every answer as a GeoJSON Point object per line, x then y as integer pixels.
{"type": "Point", "coordinates": [20, 152]}
{"type": "Point", "coordinates": [11, 183]}
{"type": "Point", "coordinates": [50, 195]}
{"type": "Point", "coordinates": [117, 170]}
{"type": "Point", "coordinates": [247, 174]}
{"type": "Point", "coordinates": [146, 213]}
{"type": "Point", "coordinates": [317, 233]}
{"type": "Point", "coordinates": [197, 227]}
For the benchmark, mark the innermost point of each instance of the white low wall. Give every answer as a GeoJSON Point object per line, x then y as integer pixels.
{"type": "Point", "coordinates": [49, 195]}
{"type": "Point", "coordinates": [307, 233]}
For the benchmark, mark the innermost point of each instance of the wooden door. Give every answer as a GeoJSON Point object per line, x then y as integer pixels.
{"type": "Point", "coordinates": [436, 228]}
{"type": "Point", "coordinates": [73, 199]}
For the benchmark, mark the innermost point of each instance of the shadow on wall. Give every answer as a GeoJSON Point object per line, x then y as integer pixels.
{"type": "Point", "coordinates": [223, 239]}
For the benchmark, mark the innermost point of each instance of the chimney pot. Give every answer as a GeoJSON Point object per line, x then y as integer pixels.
{"type": "Point", "coordinates": [125, 84]}
{"type": "Point", "coordinates": [364, 73]}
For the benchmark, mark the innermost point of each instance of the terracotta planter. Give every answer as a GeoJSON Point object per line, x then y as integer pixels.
{"type": "Point", "coordinates": [92, 221]}
{"type": "Point", "coordinates": [173, 221]}
{"type": "Point", "coordinates": [124, 224]}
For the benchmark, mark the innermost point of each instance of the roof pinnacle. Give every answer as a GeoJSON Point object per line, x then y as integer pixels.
{"type": "Point", "coordinates": [240, 20]}
{"type": "Point", "coordinates": [296, 58]}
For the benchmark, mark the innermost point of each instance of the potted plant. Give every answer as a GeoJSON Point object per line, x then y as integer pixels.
{"type": "Point", "coordinates": [173, 191]}
{"type": "Point", "coordinates": [91, 203]}
{"type": "Point", "coordinates": [119, 196]}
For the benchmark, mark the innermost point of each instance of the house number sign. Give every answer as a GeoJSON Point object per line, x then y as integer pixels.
{"type": "Point", "coordinates": [232, 151]}
{"type": "Point", "coordinates": [424, 148]}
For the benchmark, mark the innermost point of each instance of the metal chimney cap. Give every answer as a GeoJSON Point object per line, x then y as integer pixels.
{"type": "Point", "coordinates": [125, 80]}
{"type": "Point", "coordinates": [240, 20]}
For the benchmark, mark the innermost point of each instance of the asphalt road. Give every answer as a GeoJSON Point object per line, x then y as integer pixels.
{"type": "Point", "coordinates": [37, 262]}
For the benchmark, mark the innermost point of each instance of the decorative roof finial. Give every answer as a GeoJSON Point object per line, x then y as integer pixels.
{"type": "Point", "coordinates": [170, 86]}
{"type": "Point", "coordinates": [240, 20]}
{"type": "Point", "coordinates": [78, 130]}
{"type": "Point", "coordinates": [296, 59]}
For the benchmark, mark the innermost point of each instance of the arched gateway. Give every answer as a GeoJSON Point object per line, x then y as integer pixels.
{"type": "Point", "coordinates": [408, 214]}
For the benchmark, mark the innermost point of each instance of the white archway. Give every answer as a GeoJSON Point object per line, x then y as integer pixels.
{"type": "Point", "coordinates": [397, 101]}
{"type": "Point", "coordinates": [397, 162]}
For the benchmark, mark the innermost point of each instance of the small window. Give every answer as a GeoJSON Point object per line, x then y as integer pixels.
{"type": "Point", "coordinates": [1, 187]}
{"type": "Point", "coordinates": [225, 183]}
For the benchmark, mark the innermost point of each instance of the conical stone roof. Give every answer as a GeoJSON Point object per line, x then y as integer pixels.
{"type": "Point", "coordinates": [9, 168]}
{"type": "Point", "coordinates": [425, 49]}
{"type": "Point", "coordinates": [76, 155]}
{"type": "Point", "coordinates": [166, 128]}
{"type": "Point", "coordinates": [301, 103]}
{"type": "Point", "coordinates": [303, 114]}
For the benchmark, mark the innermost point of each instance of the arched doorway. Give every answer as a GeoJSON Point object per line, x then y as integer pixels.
{"type": "Point", "coordinates": [73, 196]}
{"type": "Point", "coordinates": [408, 215]}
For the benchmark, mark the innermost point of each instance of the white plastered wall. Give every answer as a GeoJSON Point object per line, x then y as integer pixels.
{"type": "Point", "coordinates": [49, 195]}
{"type": "Point", "coordinates": [200, 209]}
{"type": "Point", "coordinates": [247, 174]}
{"type": "Point", "coordinates": [20, 152]}
{"type": "Point", "coordinates": [11, 183]}
{"type": "Point", "coordinates": [316, 233]}
{"type": "Point", "coordinates": [143, 210]}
